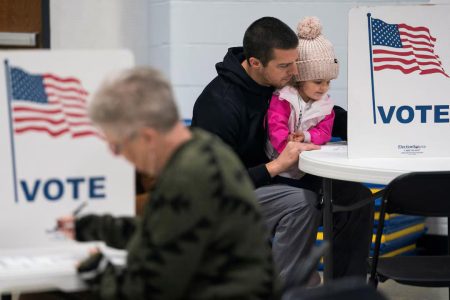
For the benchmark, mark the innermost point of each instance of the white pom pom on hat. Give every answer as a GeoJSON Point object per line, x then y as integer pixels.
{"type": "Point", "coordinates": [317, 59]}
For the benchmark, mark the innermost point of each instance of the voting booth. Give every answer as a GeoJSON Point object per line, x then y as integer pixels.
{"type": "Point", "coordinates": [399, 95]}
{"type": "Point", "coordinates": [398, 81]}
{"type": "Point", "coordinates": [53, 158]}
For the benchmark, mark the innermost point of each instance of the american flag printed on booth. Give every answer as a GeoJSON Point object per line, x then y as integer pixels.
{"type": "Point", "coordinates": [404, 48]}
{"type": "Point", "coordinates": [50, 104]}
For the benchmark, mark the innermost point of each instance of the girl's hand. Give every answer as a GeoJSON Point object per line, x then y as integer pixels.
{"type": "Point", "coordinates": [296, 137]}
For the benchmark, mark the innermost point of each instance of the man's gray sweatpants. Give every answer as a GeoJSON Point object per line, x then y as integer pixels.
{"type": "Point", "coordinates": [292, 217]}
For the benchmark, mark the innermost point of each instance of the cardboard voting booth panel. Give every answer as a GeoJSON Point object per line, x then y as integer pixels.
{"type": "Point", "coordinates": [398, 81]}
{"type": "Point", "coordinates": [52, 157]}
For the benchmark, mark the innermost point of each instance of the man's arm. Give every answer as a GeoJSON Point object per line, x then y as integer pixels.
{"type": "Point", "coordinates": [115, 232]}
{"type": "Point", "coordinates": [163, 259]}
{"type": "Point", "coordinates": [222, 119]}
{"type": "Point", "coordinates": [288, 157]}
{"type": "Point", "coordinates": [218, 117]}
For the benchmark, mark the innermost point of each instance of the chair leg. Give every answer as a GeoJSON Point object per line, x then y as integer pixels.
{"type": "Point", "coordinates": [448, 245]}
{"type": "Point", "coordinates": [373, 281]}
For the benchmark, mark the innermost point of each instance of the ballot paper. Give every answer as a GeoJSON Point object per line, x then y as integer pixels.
{"type": "Point", "coordinates": [49, 268]}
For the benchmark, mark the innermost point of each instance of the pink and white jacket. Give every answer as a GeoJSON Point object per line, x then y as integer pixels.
{"type": "Point", "coordinates": [289, 113]}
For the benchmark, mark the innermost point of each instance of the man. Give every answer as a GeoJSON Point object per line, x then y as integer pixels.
{"type": "Point", "coordinates": [233, 106]}
{"type": "Point", "coordinates": [201, 235]}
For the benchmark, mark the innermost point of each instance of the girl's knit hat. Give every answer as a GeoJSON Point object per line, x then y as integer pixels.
{"type": "Point", "coordinates": [316, 54]}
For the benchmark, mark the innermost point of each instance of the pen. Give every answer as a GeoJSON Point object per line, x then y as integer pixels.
{"type": "Point", "coordinates": [79, 209]}
{"type": "Point", "coordinates": [74, 213]}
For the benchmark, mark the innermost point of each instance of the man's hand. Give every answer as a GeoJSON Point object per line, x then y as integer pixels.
{"type": "Point", "coordinates": [296, 137]}
{"type": "Point", "coordinates": [288, 157]}
{"type": "Point", "coordinates": [66, 225]}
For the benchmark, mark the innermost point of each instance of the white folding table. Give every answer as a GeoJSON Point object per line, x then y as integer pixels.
{"type": "Point", "coordinates": [49, 268]}
{"type": "Point", "coordinates": [332, 162]}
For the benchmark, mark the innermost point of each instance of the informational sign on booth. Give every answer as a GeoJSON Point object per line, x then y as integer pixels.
{"type": "Point", "coordinates": [53, 158]}
{"type": "Point", "coordinates": [399, 81]}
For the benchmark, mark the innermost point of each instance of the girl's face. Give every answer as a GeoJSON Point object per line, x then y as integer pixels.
{"type": "Point", "coordinates": [314, 89]}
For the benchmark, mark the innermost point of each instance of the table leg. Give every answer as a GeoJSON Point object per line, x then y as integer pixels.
{"type": "Point", "coordinates": [328, 229]}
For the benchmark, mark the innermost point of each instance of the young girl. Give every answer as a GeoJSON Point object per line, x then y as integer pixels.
{"type": "Point", "coordinates": [303, 111]}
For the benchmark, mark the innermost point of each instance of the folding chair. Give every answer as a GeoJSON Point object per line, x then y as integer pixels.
{"type": "Point", "coordinates": [417, 193]}
{"type": "Point", "coordinates": [348, 288]}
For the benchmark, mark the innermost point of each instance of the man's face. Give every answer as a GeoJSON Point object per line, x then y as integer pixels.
{"type": "Point", "coordinates": [279, 71]}
{"type": "Point", "coordinates": [128, 146]}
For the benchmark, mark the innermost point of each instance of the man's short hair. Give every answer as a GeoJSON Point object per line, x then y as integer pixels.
{"type": "Point", "coordinates": [134, 98]}
{"type": "Point", "coordinates": [266, 34]}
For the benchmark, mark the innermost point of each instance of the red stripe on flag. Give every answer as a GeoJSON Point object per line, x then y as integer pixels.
{"type": "Point", "coordinates": [405, 61]}
{"type": "Point", "coordinates": [23, 108]}
{"type": "Point", "coordinates": [396, 67]}
{"type": "Point", "coordinates": [61, 79]}
{"type": "Point", "coordinates": [431, 71]}
{"type": "Point", "coordinates": [34, 119]}
{"type": "Point", "coordinates": [43, 129]}
{"type": "Point", "coordinates": [418, 49]}
{"type": "Point", "coordinates": [413, 42]}
{"type": "Point", "coordinates": [381, 51]}
{"type": "Point", "coordinates": [63, 89]}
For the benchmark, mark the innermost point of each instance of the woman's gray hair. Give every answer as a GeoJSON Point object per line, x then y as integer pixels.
{"type": "Point", "coordinates": [134, 98]}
